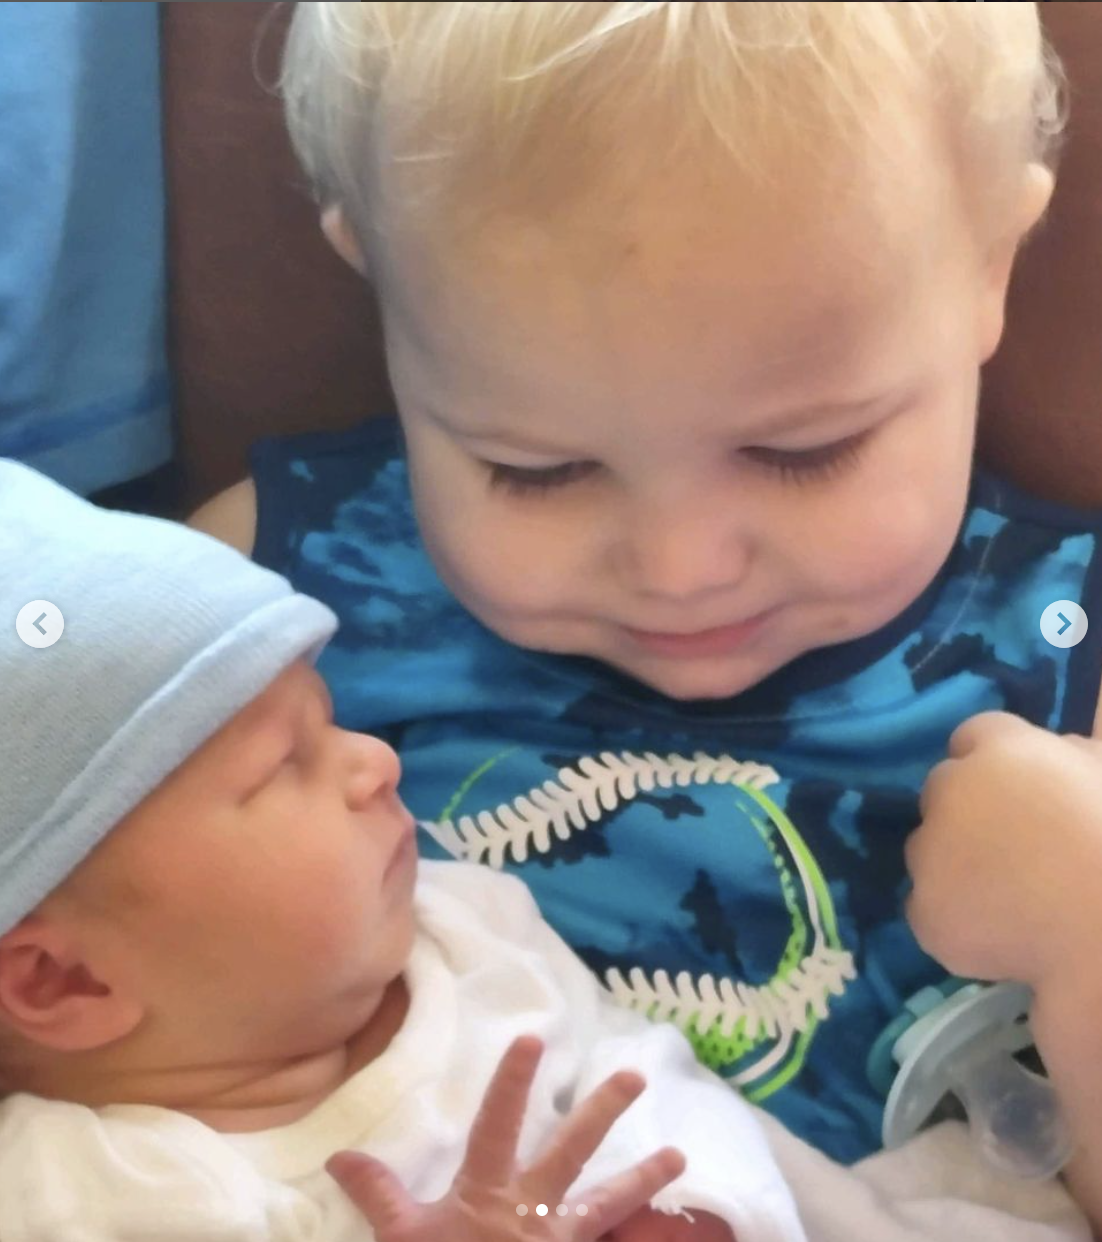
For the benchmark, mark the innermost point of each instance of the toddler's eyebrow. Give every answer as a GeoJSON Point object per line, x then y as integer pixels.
{"type": "Point", "coordinates": [795, 419]}
{"type": "Point", "coordinates": [506, 436]}
{"type": "Point", "coordinates": [510, 439]}
{"type": "Point", "coordinates": [821, 411]}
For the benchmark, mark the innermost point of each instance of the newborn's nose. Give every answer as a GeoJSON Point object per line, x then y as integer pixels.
{"type": "Point", "coordinates": [375, 769]}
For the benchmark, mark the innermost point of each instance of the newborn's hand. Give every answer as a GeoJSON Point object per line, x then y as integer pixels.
{"type": "Point", "coordinates": [650, 1226]}
{"type": "Point", "coordinates": [481, 1205]}
{"type": "Point", "coordinates": [1007, 859]}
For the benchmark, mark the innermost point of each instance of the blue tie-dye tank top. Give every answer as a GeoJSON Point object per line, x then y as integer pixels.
{"type": "Point", "coordinates": [734, 866]}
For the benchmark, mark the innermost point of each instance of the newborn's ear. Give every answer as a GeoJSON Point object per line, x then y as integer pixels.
{"type": "Point", "coordinates": [50, 996]}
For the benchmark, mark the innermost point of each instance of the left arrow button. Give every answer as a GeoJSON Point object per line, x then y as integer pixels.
{"type": "Point", "coordinates": [39, 623]}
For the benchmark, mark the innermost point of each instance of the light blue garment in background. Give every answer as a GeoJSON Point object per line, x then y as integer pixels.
{"type": "Point", "coordinates": [84, 389]}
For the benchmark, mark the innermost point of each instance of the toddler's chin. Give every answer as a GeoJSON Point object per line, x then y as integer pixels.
{"type": "Point", "coordinates": [692, 679]}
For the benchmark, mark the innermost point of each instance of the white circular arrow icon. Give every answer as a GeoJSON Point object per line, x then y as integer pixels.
{"type": "Point", "coordinates": [39, 623]}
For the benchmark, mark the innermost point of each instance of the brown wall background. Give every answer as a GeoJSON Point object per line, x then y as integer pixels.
{"type": "Point", "coordinates": [269, 332]}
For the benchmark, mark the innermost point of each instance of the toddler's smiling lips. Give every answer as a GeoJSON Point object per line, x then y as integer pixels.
{"type": "Point", "coordinates": [718, 640]}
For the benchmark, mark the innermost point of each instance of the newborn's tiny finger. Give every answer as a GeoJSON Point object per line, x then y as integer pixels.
{"type": "Point", "coordinates": [492, 1145]}
{"type": "Point", "coordinates": [372, 1187]}
{"type": "Point", "coordinates": [583, 1131]}
{"type": "Point", "coordinates": [613, 1201]}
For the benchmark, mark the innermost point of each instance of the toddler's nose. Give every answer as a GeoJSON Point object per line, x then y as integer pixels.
{"type": "Point", "coordinates": [682, 555]}
{"type": "Point", "coordinates": [374, 769]}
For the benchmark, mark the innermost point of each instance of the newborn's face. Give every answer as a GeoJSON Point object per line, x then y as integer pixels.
{"type": "Point", "coordinates": [270, 880]}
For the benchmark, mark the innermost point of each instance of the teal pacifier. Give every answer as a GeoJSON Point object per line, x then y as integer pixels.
{"type": "Point", "coordinates": [960, 1040]}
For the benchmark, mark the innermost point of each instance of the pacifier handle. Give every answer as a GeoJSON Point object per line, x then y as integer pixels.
{"type": "Point", "coordinates": [1013, 1113]}
{"type": "Point", "coordinates": [960, 1041]}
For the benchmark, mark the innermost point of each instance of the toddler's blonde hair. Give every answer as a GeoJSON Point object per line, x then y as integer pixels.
{"type": "Point", "coordinates": [398, 109]}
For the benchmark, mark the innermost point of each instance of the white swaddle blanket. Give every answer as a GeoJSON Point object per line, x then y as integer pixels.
{"type": "Point", "coordinates": [936, 1188]}
{"type": "Point", "coordinates": [485, 968]}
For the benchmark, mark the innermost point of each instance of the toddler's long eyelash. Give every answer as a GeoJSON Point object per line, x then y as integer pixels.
{"type": "Point", "coordinates": [802, 466]}
{"type": "Point", "coordinates": [530, 480]}
{"type": "Point", "coordinates": [808, 465]}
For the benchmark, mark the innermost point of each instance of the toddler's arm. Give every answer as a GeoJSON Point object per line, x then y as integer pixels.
{"type": "Point", "coordinates": [230, 516]}
{"type": "Point", "coordinates": [1006, 866]}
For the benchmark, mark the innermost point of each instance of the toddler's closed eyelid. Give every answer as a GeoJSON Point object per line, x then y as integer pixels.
{"type": "Point", "coordinates": [529, 480]}
{"type": "Point", "coordinates": [811, 463]}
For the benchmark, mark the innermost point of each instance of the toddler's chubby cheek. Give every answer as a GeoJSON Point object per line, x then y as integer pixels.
{"type": "Point", "coordinates": [502, 575]}
{"type": "Point", "coordinates": [901, 542]}
{"type": "Point", "coordinates": [491, 588]}
{"type": "Point", "coordinates": [867, 575]}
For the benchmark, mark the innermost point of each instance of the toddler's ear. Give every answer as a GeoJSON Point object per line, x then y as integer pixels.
{"type": "Point", "coordinates": [50, 996]}
{"type": "Point", "coordinates": [1036, 194]}
{"type": "Point", "coordinates": [1036, 190]}
{"type": "Point", "coordinates": [334, 224]}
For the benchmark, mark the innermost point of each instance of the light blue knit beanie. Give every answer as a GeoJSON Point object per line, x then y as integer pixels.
{"type": "Point", "coordinates": [168, 634]}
